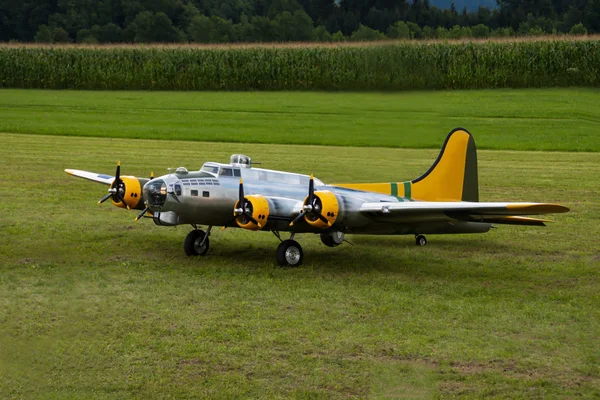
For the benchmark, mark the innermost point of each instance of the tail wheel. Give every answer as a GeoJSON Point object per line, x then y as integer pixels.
{"type": "Point", "coordinates": [196, 243]}
{"type": "Point", "coordinates": [420, 240]}
{"type": "Point", "coordinates": [289, 254]}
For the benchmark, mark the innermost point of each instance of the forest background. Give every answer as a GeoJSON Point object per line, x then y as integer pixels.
{"type": "Point", "coordinates": [224, 21]}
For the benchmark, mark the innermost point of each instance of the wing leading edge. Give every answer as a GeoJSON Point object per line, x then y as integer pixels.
{"type": "Point", "coordinates": [92, 176]}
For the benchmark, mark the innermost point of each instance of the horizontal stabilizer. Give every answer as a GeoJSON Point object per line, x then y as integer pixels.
{"type": "Point", "coordinates": [493, 212]}
{"type": "Point", "coordinates": [517, 221]}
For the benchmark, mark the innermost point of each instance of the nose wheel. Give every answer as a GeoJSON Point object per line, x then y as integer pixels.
{"type": "Point", "coordinates": [289, 254]}
{"type": "Point", "coordinates": [420, 240]}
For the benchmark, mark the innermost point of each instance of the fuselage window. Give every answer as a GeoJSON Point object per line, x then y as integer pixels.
{"type": "Point", "coordinates": [205, 194]}
{"type": "Point", "coordinates": [194, 193]}
{"type": "Point", "coordinates": [178, 189]}
{"type": "Point", "coordinates": [226, 172]}
{"type": "Point", "coordinates": [236, 172]}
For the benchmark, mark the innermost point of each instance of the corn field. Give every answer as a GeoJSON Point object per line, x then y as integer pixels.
{"type": "Point", "coordinates": [398, 66]}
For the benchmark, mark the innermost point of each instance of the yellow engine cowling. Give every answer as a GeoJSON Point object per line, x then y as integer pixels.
{"type": "Point", "coordinates": [329, 209]}
{"type": "Point", "coordinates": [260, 212]}
{"type": "Point", "coordinates": [133, 193]}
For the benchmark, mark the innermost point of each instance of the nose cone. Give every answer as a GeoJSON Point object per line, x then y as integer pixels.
{"type": "Point", "coordinates": [155, 193]}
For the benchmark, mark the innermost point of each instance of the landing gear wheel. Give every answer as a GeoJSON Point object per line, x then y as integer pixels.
{"type": "Point", "coordinates": [193, 244]}
{"type": "Point", "coordinates": [289, 254]}
{"type": "Point", "coordinates": [332, 239]}
{"type": "Point", "coordinates": [420, 240]}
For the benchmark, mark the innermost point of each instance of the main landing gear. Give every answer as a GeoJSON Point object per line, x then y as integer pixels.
{"type": "Point", "coordinates": [196, 242]}
{"type": "Point", "coordinates": [289, 252]}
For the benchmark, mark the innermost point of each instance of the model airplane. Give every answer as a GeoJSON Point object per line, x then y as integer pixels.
{"type": "Point", "coordinates": [443, 200]}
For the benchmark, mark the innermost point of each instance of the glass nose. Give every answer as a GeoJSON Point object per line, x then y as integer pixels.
{"type": "Point", "coordinates": [155, 193]}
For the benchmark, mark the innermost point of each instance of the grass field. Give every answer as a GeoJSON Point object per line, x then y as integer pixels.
{"type": "Point", "coordinates": [96, 306]}
{"type": "Point", "coordinates": [545, 119]}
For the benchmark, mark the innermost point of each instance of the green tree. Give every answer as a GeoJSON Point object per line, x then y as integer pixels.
{"type": "Point", "coordinates": [85, 36]}
{"type": "Point", "coordinates": [43, 35]}
{"type": "Point", "coordinates": [60, 35]}
{"type": "Point", "coordinates": [338, 37]}
{"type": "Point", "coordinates": [200, 29]}
{"type": "Point", "coordinates": [441, 32]}
{"type": "Point", "coordinates": [429, 32]}
{"type": "Point", "coordinates": [578, 29]}
{"type": "Point", "coordinates": [155, 27]}
{"type": "Point", "coordinates": [399, 30]}
{"type": "Point", "coordinates": [265, 30]}
{"type": "Point", "coordinates": [415, 30]}
{"type": "Point", "coordinates": [110, 33]}
{"type": "Point", "coordinates": [480, 31]}
{"type": "Point", "coordinates": [364, 33]}
{"type": "Point", "coordinates": [322, 35]}
{"type": "Point", "coordinates": [244, 31]}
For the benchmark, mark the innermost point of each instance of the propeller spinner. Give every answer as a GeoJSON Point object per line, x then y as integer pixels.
{"type": "Point", "coordinates": [243, 209]}
{"type": "Point", "coordinates": [312, 205]}
{"type": "Point", "coordinates": [117, 189]}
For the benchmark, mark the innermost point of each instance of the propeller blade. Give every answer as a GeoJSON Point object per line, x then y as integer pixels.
{"type": "Point", "coordinates": [311, 189]}
{"type": "Point", "coordinates": [118, 173]}
{"type": "Point", "coordinates": [241, 196]}
{"type": "Point", "coordinates": [106, 197]}
{"type": "Point", "coordinates": [298, 218]}
{"type": "Point", "coordinates": [151, 175]}
{"type": "Point", "coordinates": [322, 218]}
{"type": "Point", "coordinates": [122, 200]}
{"type": "Point", "coordinates": [255, 222]}
{"type": "Point", "coordinates": [142, 213]}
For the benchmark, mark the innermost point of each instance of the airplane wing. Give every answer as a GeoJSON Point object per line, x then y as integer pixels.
{"type": "Point", "coordinates": [422, 211]}
{"type": "Point", "coordinates": [92, 176]}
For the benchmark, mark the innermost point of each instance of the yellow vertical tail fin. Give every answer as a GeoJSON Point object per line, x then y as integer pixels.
{"type": "Point", "coordinates": [453, 175]}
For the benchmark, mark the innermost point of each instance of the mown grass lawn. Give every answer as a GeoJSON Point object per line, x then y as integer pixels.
{"type": "Point", "coordinates": [532, 119]}
{"type": "Point", "coordinates": [97, 306]}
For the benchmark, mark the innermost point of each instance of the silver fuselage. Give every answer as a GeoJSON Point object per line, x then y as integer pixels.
{"type": "Point", "coordinates": [204, 198]}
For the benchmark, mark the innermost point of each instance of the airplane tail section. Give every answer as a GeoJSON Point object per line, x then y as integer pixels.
{"type": "Point", "coordinates": [453, 175]}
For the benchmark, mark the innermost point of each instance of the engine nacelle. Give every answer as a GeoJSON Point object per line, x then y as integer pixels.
{"type": "Point", "coordinates": [327, 205]}
{"type": "Point", "coordinates": [258, 208]}
{"type": "Point", "coordinates": [131, 193]}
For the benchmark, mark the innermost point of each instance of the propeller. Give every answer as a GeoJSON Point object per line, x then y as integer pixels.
{"type": "Point", "coordinates": [245, 207]}
{"type": "Point", "coordinates": [117, 188]}
{"type": "Point", "coordinates": [145, 210]}
{"type": "Point", "coordinates": [312, 206]}
{"type": "Point", "coordinates": [140, 215]}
